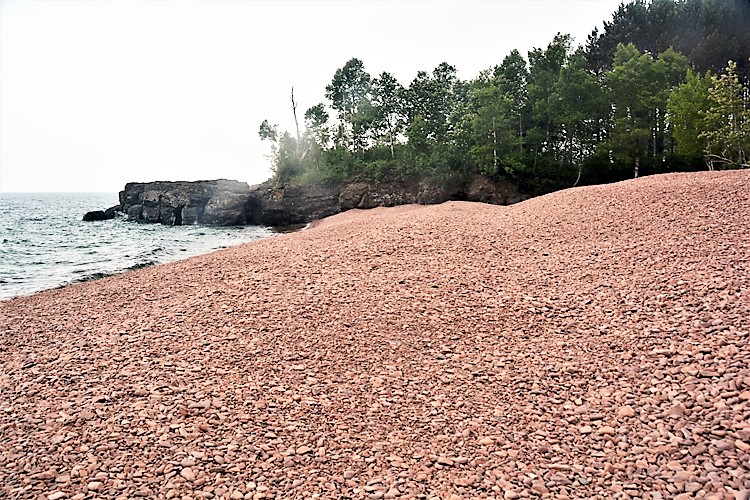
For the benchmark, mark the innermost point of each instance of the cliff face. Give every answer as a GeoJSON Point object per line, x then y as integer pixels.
{"type": "Point", "coordinates": [220, 202]}
{"type": "Point", "coordinates": [300, 204]}
{"type": "Point", "coordinates": [224, 202]}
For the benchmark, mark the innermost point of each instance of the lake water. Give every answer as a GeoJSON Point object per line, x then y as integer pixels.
{"type": "Point", "coordinates": [45, 244]}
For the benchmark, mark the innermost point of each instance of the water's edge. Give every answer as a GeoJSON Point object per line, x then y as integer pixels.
{"type": "Point", "coordinates": [44, 244]}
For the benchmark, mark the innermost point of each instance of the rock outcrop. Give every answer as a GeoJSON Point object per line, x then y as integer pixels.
{"type": "Point", "coordinates": [225, 202]}
{"type": "Point", "coordinates": [219, 202]}
{"type": "Point", "coordinates": [97, 215]}
{"type": "Point", "coordinates": [272, 206]}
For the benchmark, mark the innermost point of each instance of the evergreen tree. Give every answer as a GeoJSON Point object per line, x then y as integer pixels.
{"type": "Point", "coordinates": [708, 32]}
{"type": "Point", "coordinates": [565, 117]}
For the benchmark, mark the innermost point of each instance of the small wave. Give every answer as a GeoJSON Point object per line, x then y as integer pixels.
{"type": "Point", "coordinates": [84, 279]}
{"type": "Point", "coordinates": [99, 275]}
{"type": "Point", "coordinates": [93, 277]}
{"type": "Point", "coordinates": [41, 250]}
{"type": "Point", "coordinates": [141, 265]}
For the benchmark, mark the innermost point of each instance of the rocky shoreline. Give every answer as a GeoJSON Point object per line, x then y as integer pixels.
{"type": "Point", "coordinates": [591, 343]}
{"type": "Point", "coordinates": [225, 202]}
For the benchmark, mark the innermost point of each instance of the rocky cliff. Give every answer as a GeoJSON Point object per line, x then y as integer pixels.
{"type": "Point", "coordinates": [299, 204]}
{"type": "Point", "coordinates": [219, 202]}
{"type": "Point", "coordinates": [225, 202]}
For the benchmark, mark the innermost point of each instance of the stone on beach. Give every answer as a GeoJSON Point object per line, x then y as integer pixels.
{"type": "Point", "coordinates": [591, 343]}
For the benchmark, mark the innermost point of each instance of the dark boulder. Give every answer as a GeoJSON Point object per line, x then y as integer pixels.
{"type": "Point", "coordinates": [97, 215]}
{"type": "Point", "coordinates": [94, 215]}
{"type": "Point", "coordinates": [112, 211]}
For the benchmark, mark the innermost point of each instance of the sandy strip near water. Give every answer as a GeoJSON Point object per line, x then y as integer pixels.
{"type": "Point", "coordinates": [591, 343]}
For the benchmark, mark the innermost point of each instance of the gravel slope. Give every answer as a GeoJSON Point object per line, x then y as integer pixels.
{"type": "Point", "coordinates": [592, 343]}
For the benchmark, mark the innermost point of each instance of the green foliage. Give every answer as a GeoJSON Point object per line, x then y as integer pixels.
{"type": "Point", "coordinates": [512, 78]}
{"type": "Point", "coordinates": [388, 107]}
{"type": "Point", "coordinates": [632, 83]}
{"type": "Point", "coordinates": [287, 165]}
{"type": "Point", "coordinates": [580, 105]}
{"type": "Point", "coordinates": [558, 119]}
{"type": "Point", "coordinates": [686, 106]}
{"type": "Point", "coordinates": [316, 122]}
{"type": "Point", "coordinates": [493, 140]}
{"type": "Point", "coordinates": [544, 136]}
{"type": "Point", "coordinates": [349, 96]}
{"type": "Point", "coordinates": [727, 120]}
{"type": "Point", "coordinates": [434, 98]}
{"type": "Point", "coordinates": [708, 32]}
{"type": "Point", "coordinates": [268, 132]}
{"type": "Point", "coordinates": [640, 87]}
{"type": "Point", "coordinates": [513, 75]}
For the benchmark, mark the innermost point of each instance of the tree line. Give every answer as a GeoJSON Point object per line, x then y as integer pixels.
{"type": "Point", "coordinates": [707, 32]}
{"type": "Point", "coordinates": [559, 117]}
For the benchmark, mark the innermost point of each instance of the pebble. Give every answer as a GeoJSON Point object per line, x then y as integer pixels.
{"type": "Point", "coordinates": [570, 346]}
{"type": "Point", "coordinates": [95, 486]}
{"type": "Point", "coordinates": [539, 489]}
{"type": "Point", "coordinates": [698, 449]}
{"type": "Point", "coordinates": [681, 476]}
{"type": "Point", "coordinates": [626, 412]}
{"type": "Point", "coordinates": [692, 487]}
{"type": "Point", "coordinates": [188, 474]}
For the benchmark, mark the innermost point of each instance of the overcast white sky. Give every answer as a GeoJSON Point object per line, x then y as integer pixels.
{"type": "Point", "coordinates": [94, 94]}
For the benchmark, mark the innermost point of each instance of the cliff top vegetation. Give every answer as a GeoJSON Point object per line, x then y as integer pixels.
{"type": "Point", "coordinates": [663, 87]}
